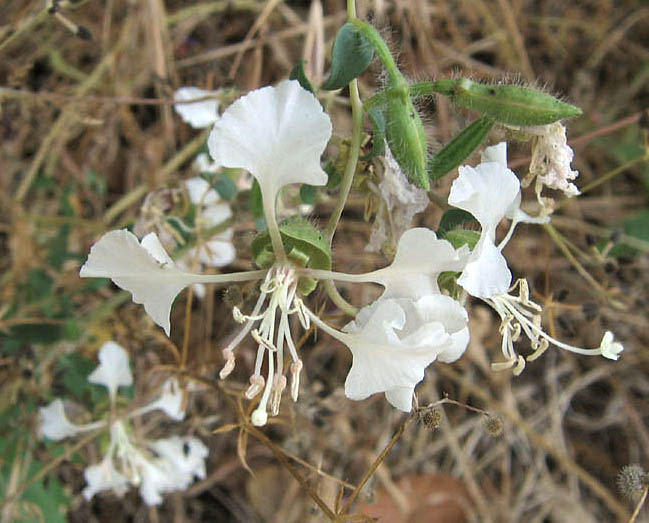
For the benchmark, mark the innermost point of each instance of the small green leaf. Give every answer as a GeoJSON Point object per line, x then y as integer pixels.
{"type": "Point", "coordinates": [222, 184]}
{"type": "Point", "coordinates": [298, 73]}
{"type": "Point", "coordinates": [452, 219]}
{"type": "Point", "coordinates": [459, 148]}
{"type": "Point", "coordinates": [256, 205]}
{"type": "Point", "coordinates": [459, 237]}
{"type": "Point", "coordinates": [308, 193]}
{"type": "Point", "coordinates": [350, 57]}
{"type": "Point", "coordinates": [377, 117]}
{"type": "Point", "coordinates": [304, 245]}
{"type": "Point", "coordinates": [510, 104]}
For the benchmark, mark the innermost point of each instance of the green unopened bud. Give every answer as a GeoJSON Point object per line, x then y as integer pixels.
{"type": "Point", "coordinates": [509, 104]}
{"type": "Point", "coordinates": [406, 136]}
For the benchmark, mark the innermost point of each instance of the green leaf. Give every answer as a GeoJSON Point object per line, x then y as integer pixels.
{"type": "Point", "coordinates": [510, 104]}
{"type": "Point", "coordinates": [459, 148]}
{"type": "Point", "coordinates": [298, 73]}
{"type": "Point", "coordinates": [351, 55]}
{"type": "Point", "coordinates": [222, 184]}
{"type": "Point", "coordinates": [637, 227]}
{"type": "Point", "coordinates": [308, 193]}
{"type": "Point", "coordinates": [304, 245]}
{"type": "Point", "coordinates": [452, 219]}
{"type": "Point", "coordinates": [36, 332]}
{"type": "Point", "coordinates": [377, 117]}
{"type": "Point", "coordinates": [256, 205]}
{"type": "Point", "coordinates": [459, 237]}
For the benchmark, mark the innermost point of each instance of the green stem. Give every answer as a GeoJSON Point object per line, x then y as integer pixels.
{"type": "Point", "coordinates": [352, 160]}
{"type": "Point", "coordinates": [395, 77]}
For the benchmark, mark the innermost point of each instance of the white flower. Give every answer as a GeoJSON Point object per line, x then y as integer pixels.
{"type": "Point", "coordinates": [402, 201]}
{"type": "Point", "coordinates": [144, 269]}
{"type": "Point", "coordinates": [198, 114]}
{"type": "Point", "coordinates": [393, 340]}
{"type": "Point", "coordinates": [113, 370]}
{"type": "Point", "coordinates": [551, 158]}
{"type": "Point", "coordinates": [277, 134]}
{"type": "Point", "coordinates": [610, 349]}
{"type": "Point", "coordinates": [490, 192]}
{"type": "Point", "coordinates": [55, 425]}
{"type": "Point", "coordinates": [104, 476]}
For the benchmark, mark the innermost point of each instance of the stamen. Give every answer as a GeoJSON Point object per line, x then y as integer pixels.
{"type": "Point", "coordinates": [279, 384]}
{"type": "Point", "coordinates": [228, 355]}
{"type": "Point", "coordinates": [296, 369]}
{"type": "Point", "coordinates": [256, 385]}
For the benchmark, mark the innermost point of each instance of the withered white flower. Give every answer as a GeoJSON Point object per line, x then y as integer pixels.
{"type": "Point", "coordinates": [552, 158]}
{"type": "Point", "coordinates": [199, 114]}
{"type": "Point", "coordinates": [401, 200]}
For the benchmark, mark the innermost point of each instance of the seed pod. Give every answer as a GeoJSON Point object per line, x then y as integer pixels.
{"type": "Point", "coordinates": [509, 104]}
{"type": "Point", "coordinates": [406, 136]}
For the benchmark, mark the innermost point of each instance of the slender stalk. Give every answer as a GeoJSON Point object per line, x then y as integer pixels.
{"type": "Point", "coordinates": [273, 230]}
{"type": "Point", "coordinates": [352, 161]}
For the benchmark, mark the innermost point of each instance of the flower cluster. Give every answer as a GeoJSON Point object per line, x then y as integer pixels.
{"type": "Point", "coordinates": [278, 135]}
{"type": "Point", "coordinates": [155, 466]}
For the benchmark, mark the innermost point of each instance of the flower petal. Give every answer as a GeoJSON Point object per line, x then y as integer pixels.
{"type": "Point", "coordinates": [419, 260]}
{"type": "Point", "coordinates": [496, 153]}
{"type": "Point", "coordinates": [170, 400]}
{"type": "Point", "coordinates": [400, 397]}
{"type": "Point", "coordinates": [487, 274]}
{"type": "Point", "coordinates": [384, 359]}
{"type": "Point", "coordinates": [186, 454]}
{"type": "Point", "coordinates": [197, 114]}
{"type": "Point", "coordinates": [486, 191]}
{"type": "Point", "coordinates": [200, 192]}
{"type": "Point", "coordinates": [104, 476]}
{"type": "Point", "coordinates": [145, 270]}
{"type": "Point", "coordinates": [276, 133]}
{"type": "Point", "coordinates": [54, 423]}
{"type": "Point", "coordinates": [113, 370]}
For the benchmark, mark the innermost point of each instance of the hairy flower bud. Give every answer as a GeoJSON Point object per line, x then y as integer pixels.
{"type": "Point", "coordinates": [406, 136]}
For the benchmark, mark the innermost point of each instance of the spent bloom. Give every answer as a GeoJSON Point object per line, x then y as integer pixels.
{"type": "Point", "coordinates": [155, 466]}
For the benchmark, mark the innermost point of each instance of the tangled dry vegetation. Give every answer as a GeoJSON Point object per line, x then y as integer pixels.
{"type": "Point", "coordinates": [88, 129]}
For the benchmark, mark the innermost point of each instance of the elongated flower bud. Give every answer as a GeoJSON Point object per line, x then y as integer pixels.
{"type": "Point", "coordinates": [406, 136]}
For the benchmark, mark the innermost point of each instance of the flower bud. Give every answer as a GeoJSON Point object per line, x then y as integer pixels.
{"type": "Point", "coordinates": [406, 136]}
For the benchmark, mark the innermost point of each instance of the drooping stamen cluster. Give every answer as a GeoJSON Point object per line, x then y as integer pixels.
{"type": "Point", "coordinates": [519, 314]}
{"type": "Point", "coordinates": [272, 333]}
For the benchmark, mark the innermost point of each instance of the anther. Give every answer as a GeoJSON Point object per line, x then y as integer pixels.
{"type": "Point", "coordinates": [279, 384]}
{"type": "Point", "coordinates": [257, 383]}
{"type": "Point", "coordinates": [228, 367]}
{"type": "Point", "coordinates": [296, 369]}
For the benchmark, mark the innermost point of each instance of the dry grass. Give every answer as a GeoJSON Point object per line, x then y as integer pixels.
{"type": "Point", "coordinates": [87, 130]}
